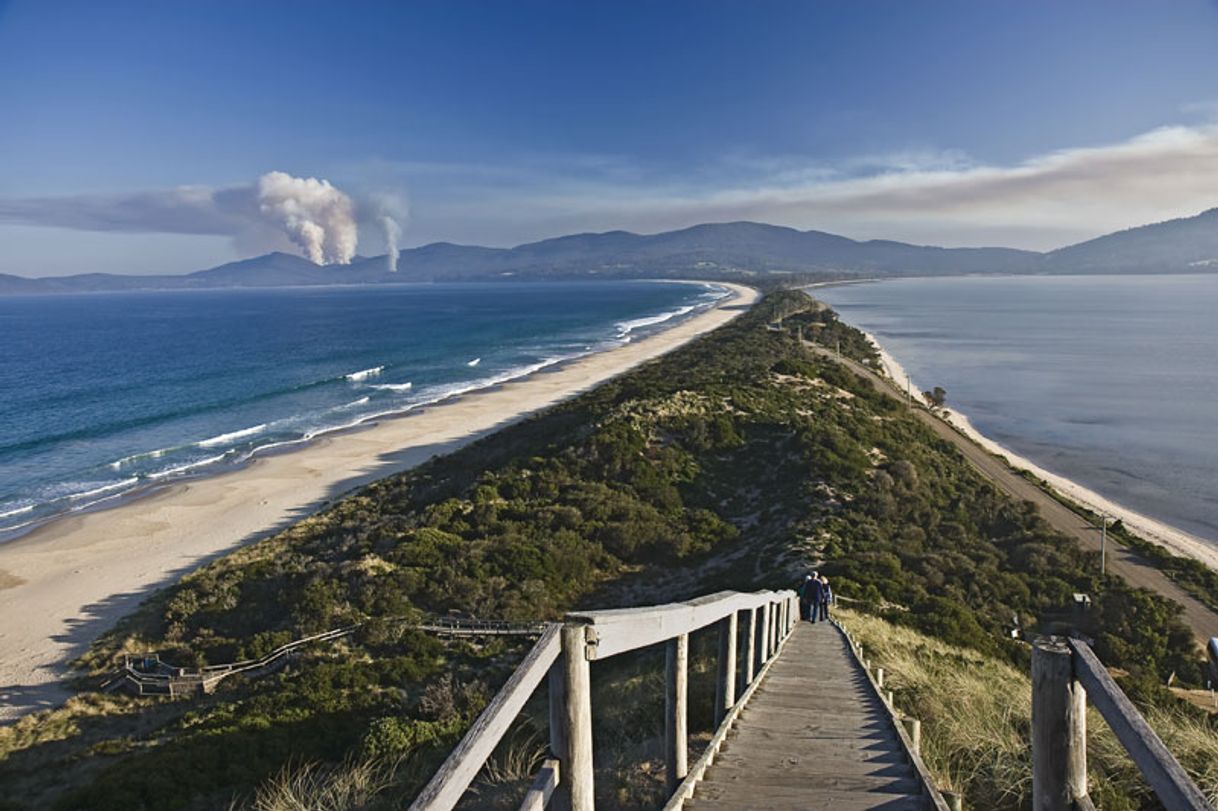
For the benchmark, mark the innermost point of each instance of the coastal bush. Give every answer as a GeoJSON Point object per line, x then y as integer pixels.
{"type": "Point", "coordinates": [737, 461]}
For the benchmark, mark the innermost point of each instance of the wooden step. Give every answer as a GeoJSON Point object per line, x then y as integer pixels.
{"type": "Point", "coordinates": [822, 801]}
{"type": "Point", "coordinates": [814, 735]}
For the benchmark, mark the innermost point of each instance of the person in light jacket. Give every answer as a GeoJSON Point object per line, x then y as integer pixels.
{"type": "Point", "coordinates": [826, 597]}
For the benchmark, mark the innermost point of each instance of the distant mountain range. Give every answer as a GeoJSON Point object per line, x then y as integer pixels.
{"type": "Point", "coordinates": [736, 250]}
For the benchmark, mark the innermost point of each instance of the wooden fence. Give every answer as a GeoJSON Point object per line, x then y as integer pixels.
{"type": "Point", "coordinates": [563, 657]}
{"type": "Point", "coordinates": [1065, 673]}
{"type": "Point", "coordinates": [147, 675]}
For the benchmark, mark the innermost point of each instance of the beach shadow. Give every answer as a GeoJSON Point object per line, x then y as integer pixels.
{"type": "Point", "coordinates": [17, 700]}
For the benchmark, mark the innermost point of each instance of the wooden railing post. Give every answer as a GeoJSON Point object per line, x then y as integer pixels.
{"type": "Point", "coordinates": [1059, 728]}
{"type": "Point", "coordinates": [771, 623]}
{"type": "Point", "coordinates": [556, 687]}
{"type": "Point", "coordinates": [775, 613]}
{"type": "Point", "coordinates": [763, 620]}
{"type": "Point", "coordinates": [750, 647]}
{"type": "Point", "coordinates": [676, 731]}
{"type": "Point", "coordinates": [576, 759]}
{"type": "Point", "coordinates": [725, 684]}
{"type": "Point", "coordinates": [913, 728]}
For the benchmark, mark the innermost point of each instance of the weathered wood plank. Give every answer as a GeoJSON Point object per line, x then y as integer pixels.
{"type": "Point", "coordinates": [1055, 735]}
{"type": "Point", "coordinates": [625, 629]}
{"type": "Point", "coordinates": [462, 766]}
{"type": "Point", "coordinates": [543, 788]}
{"type": "Point", "coordinates": [809, 730]}
{"type": "Point", "coordinates": [750, 647]}
{"type": "Point", "coordinates": [683, 792]}
{"type": "Point", "coordinates": [576, 759]}
{"type": "Point", "coordinates": [1162, 771]}
{"type": "Point", "coordinates": [676, 711]}
{"type": "Point", "coordinates": [725, 680]}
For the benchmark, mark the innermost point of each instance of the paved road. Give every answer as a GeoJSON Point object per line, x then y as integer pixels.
{"type": "Point", "coordinates": [813, 736]}
{"type": "Point", "coordinates": [1136, 570]}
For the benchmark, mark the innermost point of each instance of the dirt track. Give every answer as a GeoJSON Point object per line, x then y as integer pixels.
{"type": "Point", "coordinates": [1121, 561]}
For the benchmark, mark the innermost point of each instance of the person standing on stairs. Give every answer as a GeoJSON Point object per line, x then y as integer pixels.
{"type": "Point", "coordinates": [806, 609]}
{"type": "Point", "coordinates": [813, 592]}
{"type": "Point", "coordinates": [826, 597]}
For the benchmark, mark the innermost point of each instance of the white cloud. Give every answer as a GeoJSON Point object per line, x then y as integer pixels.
{"type": "Point", "coordinates": [922, 195]}
{"type": "Point", "coordinates": [919, 196]}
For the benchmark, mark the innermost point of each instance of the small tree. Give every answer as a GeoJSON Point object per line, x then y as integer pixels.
{"type": "Point", "coordinates": [936, 397]}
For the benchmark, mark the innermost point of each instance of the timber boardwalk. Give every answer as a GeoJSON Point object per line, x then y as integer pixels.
{"type": "Point", "coordinates": [814, 735]}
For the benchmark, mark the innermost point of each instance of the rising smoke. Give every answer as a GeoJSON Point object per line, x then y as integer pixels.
{"type": "Point", "coordinates": [317, 217]}
{"type": "Point", "coordinates": [312, 214]}
{"type": "Point", "coordinates": [389, 211]}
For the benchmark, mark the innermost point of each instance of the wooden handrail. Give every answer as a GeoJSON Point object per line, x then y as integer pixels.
{"type": "Point", "coordinates": [620, 630]}
{"type": "Point", "coordinates": [462, 766]}
{"type": "Point", "coordinates": [1065, 673]}
{"type": "Point", "coordinates": [1162, 771]}
{"type": "Point", "coordinates": [565, 652]}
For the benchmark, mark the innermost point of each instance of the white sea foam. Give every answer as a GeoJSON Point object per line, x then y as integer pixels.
{"type": "Point", "coordinates": [624, 328]}
{"type": "Point", "coordinates": [224, 439]}
{"type": "Point", "coordinates": [474, 362]}
{"type": "Point", "coordinates": [139, 457]}
{"type": "Point", "coordinates": [105, 488]}
{"type": "Point", "coordinates": [361, 401]}
{"type": "Point", "coordinates": [18, 511]}
{"type": "Point", "coordinates": [407, 386]}
{"type": "Point", "coordinates": [364, 374]}
{"type": "Point", "coordinates": [180, 469]}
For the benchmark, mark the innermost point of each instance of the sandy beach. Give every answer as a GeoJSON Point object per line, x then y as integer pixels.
{"type": "Point", "coordinates": [1178, 541]}
{"type": "Point", "coordinates": [70, 580]}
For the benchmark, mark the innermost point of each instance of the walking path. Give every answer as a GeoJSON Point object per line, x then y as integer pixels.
{"type": "Point", "coordinates": [814, 736]}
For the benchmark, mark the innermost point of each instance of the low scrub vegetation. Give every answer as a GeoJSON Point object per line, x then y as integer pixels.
{"type": "Point", "coordinates": [734, 462]}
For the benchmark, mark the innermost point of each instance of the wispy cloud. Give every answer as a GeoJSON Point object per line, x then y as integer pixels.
{"type": "Point", "coordinates": [1043, 202]}
{"type": "Point", "coordinates": [926, 196]}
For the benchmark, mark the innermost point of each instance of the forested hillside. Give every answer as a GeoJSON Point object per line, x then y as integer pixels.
{"type": "Point", "coordinates": [736, 461]}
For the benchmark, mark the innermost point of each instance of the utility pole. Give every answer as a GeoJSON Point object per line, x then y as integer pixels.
{"type": "Point", "coordinates": [839, 348]}
{"type": "Point", "coordinates": [1103, 541]}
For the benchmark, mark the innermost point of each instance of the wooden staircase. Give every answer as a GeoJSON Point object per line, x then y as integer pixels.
{"type": "Point", "coordinates": [815, 735]}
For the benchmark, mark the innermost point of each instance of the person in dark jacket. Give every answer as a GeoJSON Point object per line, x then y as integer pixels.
{"type": "Point", "coordinates": [805, 597]}
{"type": "Point", "coordinates": [813, 592]}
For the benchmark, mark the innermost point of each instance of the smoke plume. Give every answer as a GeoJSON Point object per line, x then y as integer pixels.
{"type": "Point", "coordinates": [272, 213]}
{"type": "Point", "coordinates": [389, 210]}
{"type": "Point", "coordinates": [316, 216]}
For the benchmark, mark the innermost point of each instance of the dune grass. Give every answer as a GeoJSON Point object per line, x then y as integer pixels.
{"type": "Point", "coordinates": [976, 714]}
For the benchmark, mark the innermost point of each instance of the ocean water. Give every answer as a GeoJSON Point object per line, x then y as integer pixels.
{"type": "Point", "coordinates": [1111, 381]}
{"type": "Point", "coordinates": [103, 394]}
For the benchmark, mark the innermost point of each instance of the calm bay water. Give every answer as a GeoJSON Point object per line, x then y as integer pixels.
{"type": "Point", "coordinates": [103, 394]}
{"type": "Point", "coordinates": [1111, 381]}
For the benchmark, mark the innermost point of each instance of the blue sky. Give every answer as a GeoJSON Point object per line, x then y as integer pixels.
{"type": "Point", "coordinates": [1031, 124]}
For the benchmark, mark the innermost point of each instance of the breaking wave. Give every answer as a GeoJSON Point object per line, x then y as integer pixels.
{"type": "Point", "coordinates": [365, 374]}
{"type": "Point", "coordinates": [624, 328]}
{"type": "Point", "coordinates": [224, 439]}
